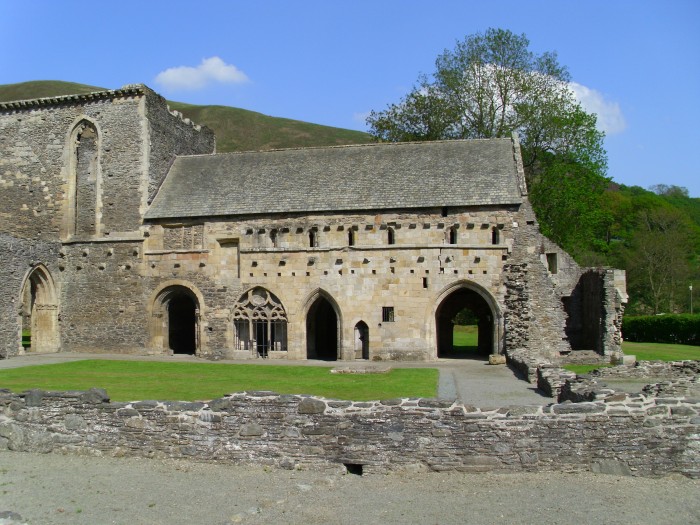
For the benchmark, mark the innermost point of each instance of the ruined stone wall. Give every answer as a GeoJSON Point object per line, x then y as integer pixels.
{"type": "Point", "coordinates": [171, 135]}
{"type": "Point", "coordinates": [79, 169]}
{"type": "Point", "coordinates": [535, 318]}
{"type": "Point", "coordinates": [35, 166]}
{"type": "Point", "coordinates": [18, 256]}
{"type": "Point", "coordinates": [639, 434]}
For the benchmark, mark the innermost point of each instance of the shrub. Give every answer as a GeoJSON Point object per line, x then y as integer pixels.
{"type": "Point", "coordinates": [675, 329]}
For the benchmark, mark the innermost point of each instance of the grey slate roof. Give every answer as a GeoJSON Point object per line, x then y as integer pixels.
{"type": "Point", "coordinates": [345, 178]}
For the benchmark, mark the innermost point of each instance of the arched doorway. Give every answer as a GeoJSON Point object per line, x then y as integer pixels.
{"type": "Point", "coordinates": [466, 325]}
{"type": "Point", "coordinates": [361, 340]}
{"type": "Point", "coordinates": [175, 320]}
{"type": "Point", "coordinates": [322, 329]}
{"type": "Point", "coordinates": [39, 312]}
{"type": "Point", "coordinates": [182, 323]}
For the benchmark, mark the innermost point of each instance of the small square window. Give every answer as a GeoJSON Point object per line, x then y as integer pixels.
{"type": "Point", "coordinates": [387, 314]}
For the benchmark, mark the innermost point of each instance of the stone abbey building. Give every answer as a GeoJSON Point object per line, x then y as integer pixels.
{"type": "Point", "coordinates": [121, 230]}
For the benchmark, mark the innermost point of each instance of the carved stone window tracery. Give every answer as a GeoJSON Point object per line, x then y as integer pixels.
{"type": "Point", "coordinates": [260, 322]}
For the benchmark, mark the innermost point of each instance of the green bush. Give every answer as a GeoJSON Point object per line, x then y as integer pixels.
{"type": "Point", "coordinates": [681, 329]}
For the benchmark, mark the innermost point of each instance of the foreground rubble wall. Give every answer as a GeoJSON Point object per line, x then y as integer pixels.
{"type": "Point", "coordinates": [639, 434]}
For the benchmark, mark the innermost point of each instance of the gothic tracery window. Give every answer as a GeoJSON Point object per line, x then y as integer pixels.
{"type": "Point", "coordinates": [260, 322]}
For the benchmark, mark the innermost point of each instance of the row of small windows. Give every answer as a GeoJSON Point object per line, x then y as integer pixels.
{"type": "Point", "coordinates": [313, 236]}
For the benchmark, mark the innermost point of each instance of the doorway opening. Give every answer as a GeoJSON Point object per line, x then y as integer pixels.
{"type": "Point", "coordinates": [465, 326]}
{"type": "Point", "coordinates": [322, 331]}
{"type": "Point", "coordinates": [182, 324]}
{"type": "Point", "coordinates": [361, 340]}
{"type": "Point", "coordinates": [175, 321]}
{"type": "Point", "coordinates": [39, 313]}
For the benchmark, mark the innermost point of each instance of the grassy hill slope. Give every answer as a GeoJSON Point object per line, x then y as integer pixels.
{"type": "Point", "coordinates": [236, 129]}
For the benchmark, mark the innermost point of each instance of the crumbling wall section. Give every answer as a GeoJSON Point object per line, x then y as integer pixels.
{"type": "Point", "coordinates": [170, 135]}
{"type": "Point", "coordinates": [535, 317]}
{"type": "Point", "coordinates": [640, 434]}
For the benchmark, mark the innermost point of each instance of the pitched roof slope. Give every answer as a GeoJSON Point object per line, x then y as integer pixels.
{"type": "Point", "coordinates": [345, 178]}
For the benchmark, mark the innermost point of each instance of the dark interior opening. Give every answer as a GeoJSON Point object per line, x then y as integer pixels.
{"type": "Point", "coordinates": [182, 325]}
{"type": "Point", "coordinates": [322, 331]}
{"type": "Point", "coordinates": [353, 468]}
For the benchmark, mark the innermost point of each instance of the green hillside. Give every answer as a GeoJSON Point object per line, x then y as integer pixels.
{"type": "Point", "coordinates": [236, 129]}
{"type": "Point", "coordinates": [43, 88]}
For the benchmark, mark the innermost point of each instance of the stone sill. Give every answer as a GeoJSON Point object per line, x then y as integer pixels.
{"type": "Point", "coordinates": [91, 240]}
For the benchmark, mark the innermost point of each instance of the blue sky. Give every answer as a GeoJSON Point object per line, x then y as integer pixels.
{"type": "Point", "coordinates": [330, 62]}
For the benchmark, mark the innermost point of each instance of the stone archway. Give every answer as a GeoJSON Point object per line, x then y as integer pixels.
{"type": "Point", "coordinates": [39, 313]}
{"type": "Point", "coordinates": [323, 330]}
{"type": "Point", "coordinates": [481, 307]}
{"type": "Point", "coordinates": [361, 340]}
{"type": "Point", "coordinates": [175, 320]}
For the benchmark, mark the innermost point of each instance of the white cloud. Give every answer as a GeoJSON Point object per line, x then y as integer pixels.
{"type": "Point", "coordinates": [361, 117]}
{"type": "Point", "coordinates": [209, 71]}
{"type": "Point", "coordinates": [610, 117]}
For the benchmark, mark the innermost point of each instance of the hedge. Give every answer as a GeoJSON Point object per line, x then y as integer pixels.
{"type": "Point", "coordinates": [669, 328]}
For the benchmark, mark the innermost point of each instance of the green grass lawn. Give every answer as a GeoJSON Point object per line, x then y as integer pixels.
{"type": "Point", "coordinates": [647, 352]}
{"type": "Point", "coordinates": [661, 351]}
{"type": "Point", "coordinates": [465, 335]}
{"type": "Point", "coordinates": [139, 380]}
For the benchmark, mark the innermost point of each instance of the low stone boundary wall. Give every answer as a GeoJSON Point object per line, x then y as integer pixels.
{"type": "Point", "coordinates": [638, 434]}
{"type": "Point", "coordinates": [651, 369]}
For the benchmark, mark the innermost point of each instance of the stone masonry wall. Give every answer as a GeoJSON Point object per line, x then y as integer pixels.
{"type": "Point", "coordinates": [535, 318]}
{"type": "Point", "coordinates": [274, 253]}
{"type": "Point", "coordinates": [34, 165]}
{"type": "Point", "coordinates": [639, 434]}
{"type": "Point", "coordinates": [170, 135]}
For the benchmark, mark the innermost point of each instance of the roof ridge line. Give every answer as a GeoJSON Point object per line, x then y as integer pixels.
{"type": "Point", "coordinates": [126, 90]}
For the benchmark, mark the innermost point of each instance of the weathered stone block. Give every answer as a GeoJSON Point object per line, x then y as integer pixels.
{"type": "Point", "coordinates": [311, 406]}
{"type": "Point", "coordinates": [251, 430]}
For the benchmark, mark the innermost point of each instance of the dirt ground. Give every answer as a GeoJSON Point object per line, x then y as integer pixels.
{"type": "Point", "coordinates": [70, 490]}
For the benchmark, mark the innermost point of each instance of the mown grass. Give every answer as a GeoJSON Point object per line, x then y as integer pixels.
{"type": "Point", "coordinates": [661, 351]}
{"type": "Point", "coordinates": [138, 380]}
{"type": "Point", "coordinates": [465, 336]}
{"type": "Point", "coordinates": [647, 352]}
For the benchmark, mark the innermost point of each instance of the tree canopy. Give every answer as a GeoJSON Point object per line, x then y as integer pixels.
{"type": "Point", "coordinates": [491, 85]}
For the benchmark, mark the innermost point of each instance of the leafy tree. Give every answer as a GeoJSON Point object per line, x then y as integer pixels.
{"type": "Point", "coordinates": [659, 259]}
{"type": "Point", "coordinates": [491, 85]}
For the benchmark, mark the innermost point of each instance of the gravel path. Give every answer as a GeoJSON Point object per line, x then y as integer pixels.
{"type": "Point", "coordinates": [53, 489]}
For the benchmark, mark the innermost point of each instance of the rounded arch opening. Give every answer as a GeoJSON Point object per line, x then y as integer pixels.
{"type": "Point", "coordinates": [466, 324]}
{"type": "Point", "coordinates": [175, 320]}
{"type": "Point", "coordinates": [39, 312]}
{"type": "Point", "coordinates": [323, 335]}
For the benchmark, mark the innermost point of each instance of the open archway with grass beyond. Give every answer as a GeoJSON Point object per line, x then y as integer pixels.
{"type": "Point", "coordinates": [466, 324]}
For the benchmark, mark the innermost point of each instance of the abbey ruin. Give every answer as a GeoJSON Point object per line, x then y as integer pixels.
{"type": "Point", "coordinates": [121, 230]}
